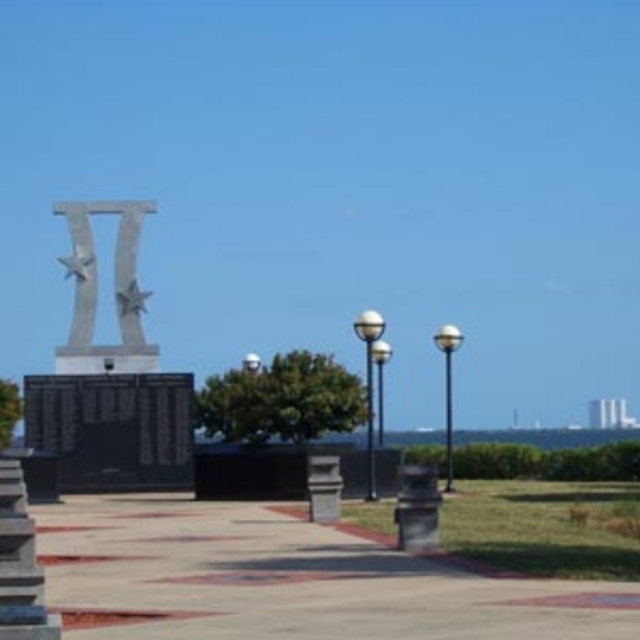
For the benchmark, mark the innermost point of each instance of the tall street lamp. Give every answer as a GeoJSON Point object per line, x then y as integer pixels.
{"type": "Point", "coordinates": [251, 366]}
{"type": "Point", "coordinates": [251, 363]}
{"type": "Point", "coordinates": [381, 352]}
{"type": "Point", "coordinates": [448, 339]}
{"type": "Point", "coordinates": [369, 326]}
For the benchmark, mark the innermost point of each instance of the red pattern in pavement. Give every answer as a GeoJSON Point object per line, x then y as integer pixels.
{"type": "Point", "coordinates": [56, 560]}
{"type": "Point", "coordinates": [91, 618]}
{"type": "Point", "coordinates": [152, 514]}
{"type": "Point", "coordinates": [612, 600]}
{"type": "Point", "coordinates": [65, 528]}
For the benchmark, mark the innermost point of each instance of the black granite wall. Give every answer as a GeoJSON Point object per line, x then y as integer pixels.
{"type": "Point", "coordinates": [113, 432]}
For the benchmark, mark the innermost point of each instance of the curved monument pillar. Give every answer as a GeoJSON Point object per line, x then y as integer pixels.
{"type": "Point", "coordinates": [80, 355]}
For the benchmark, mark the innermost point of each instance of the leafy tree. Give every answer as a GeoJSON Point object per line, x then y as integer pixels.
{"type": "Point", "coordinates": [302, 396]}
{"type": "Point", "coordinates": [233, 406]}
{"type": "Point", "coordinates": [10, 410]}
{"type": "Point", "coordinates": [310, 395]}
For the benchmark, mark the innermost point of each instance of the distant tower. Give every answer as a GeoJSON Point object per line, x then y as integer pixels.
{"type": "Point", "coordinates": [612, 413]}
{"type": "Point", "coordinates": [609, 413]}
{"type": "Point", "coordinates": [623, 421]}
{"type": "Point", "coordinates": [597, 414]}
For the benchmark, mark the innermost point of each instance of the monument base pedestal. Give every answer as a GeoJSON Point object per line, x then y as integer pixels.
{"type": "Point", "coordinates": [50, 630]}
{"type": "Point", "coordinates": [71, 361]}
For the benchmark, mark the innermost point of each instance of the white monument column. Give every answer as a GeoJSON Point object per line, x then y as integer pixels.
{"type": "Point", "coordinates": [80, 355]}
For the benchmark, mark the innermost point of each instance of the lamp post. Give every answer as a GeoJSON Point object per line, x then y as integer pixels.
{"type": "Point", "coordinates": [369, 326]}
{"type": "Point", "coordinates": [448, 339]}
{"type": "Point", "coordinates": [251, 363]}
{"type": "Point", "coordinates": [381, 352]}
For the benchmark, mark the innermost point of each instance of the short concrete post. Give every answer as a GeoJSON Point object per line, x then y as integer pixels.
{"type": "Point", "coordinates": [417, 511]}
{"type": "Point", "coordinates": [325, 487]}
{"type": "Point", "coordinates": [22, 612]}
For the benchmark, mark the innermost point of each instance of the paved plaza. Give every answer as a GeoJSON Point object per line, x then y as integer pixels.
{"type": "Point", "coordinates": [164, 566]}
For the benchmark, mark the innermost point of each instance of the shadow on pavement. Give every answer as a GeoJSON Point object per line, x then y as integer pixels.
{"type": "Point", "coordinates": [382, 564]}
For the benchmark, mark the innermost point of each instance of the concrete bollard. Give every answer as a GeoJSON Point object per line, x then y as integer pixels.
{"type": "Point", "coordinates": [416, 513]}
{"type": "Point", "coordinates": [325, 487]}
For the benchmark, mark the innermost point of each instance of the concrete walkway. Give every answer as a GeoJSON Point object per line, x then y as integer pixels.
{"type": "Point", "coordinates": [202, 570]}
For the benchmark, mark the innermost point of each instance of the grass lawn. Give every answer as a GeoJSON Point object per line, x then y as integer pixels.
{"type": "Point", "coordinates": [544, 529]}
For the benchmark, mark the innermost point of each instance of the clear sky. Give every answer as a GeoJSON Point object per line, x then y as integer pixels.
{"type": "Point", "coordinates": [466, 162]}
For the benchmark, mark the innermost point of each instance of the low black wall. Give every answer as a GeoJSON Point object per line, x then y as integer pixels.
{"type": "Point", "coordinates": [41, 473]}
{"type": "Point", "coordinates": [279, 472]}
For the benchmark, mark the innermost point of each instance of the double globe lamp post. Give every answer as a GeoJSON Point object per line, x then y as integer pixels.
{"type": "Point", "coordinates": [449, 339]}
{"type": "Point", "coordinates": [369, 326]}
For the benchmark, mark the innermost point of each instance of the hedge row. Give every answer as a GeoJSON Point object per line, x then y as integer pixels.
{"type": "Point", "coordinates": [619, 461]}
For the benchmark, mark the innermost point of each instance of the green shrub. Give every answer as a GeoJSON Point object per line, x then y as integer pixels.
{"type": "Point", "coordinates": [496, 461]}
{"type": "Point", "coordinates": [572, 465]}
{"type": "Point", "coordinates": [621, 461]}
{"type": "Point", "coordinates": [479, 460]}
{"type": "Point", "coordinates": [426, 454]}
{"type": "Point", "coordinates": [618, 461]}
{"type": "Point", "coordinates": [10, 410]}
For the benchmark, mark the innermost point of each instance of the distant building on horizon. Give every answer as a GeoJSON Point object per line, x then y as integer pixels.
{"type": "Point", "coordinates": [610, 413]}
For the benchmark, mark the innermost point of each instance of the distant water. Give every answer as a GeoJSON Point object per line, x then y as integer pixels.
{"type": "Point", "coordinates": [546, 439]}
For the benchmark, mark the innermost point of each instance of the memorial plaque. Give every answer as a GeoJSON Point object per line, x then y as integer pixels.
{"type": "Point", "coordinates": [119, 432]}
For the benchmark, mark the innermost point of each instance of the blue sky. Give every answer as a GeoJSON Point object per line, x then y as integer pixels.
{"type": "Point", "coordinates": [472, 162]}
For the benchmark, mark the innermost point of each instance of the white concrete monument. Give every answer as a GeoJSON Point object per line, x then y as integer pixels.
{"type": "Point", "coordinates": [80, 356]}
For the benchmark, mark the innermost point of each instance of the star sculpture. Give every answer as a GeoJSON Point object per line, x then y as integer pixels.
{"type": "Point", "coordinates": [76, 265]}
{"type": "Point", "coordinates": [132, 300]}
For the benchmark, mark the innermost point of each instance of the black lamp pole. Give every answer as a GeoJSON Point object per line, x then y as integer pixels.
{"type": "Point", "coordinates": [449, 488]}
{"type": "Point", "coordinates": [371, 494]}
{"type": "Point", "coordinates": [380, 404]}
{"type": "Point", "coordinates": [448, 339]}
{"type": "Point", "coordinates": [381, 352]}
{"type": "Point", "coordinates": [369, 326]}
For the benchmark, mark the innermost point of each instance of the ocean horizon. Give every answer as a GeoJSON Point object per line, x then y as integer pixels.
{"type": "Point", "coordinates": [546, 439]}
